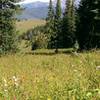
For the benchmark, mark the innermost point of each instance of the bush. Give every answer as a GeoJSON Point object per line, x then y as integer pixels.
{"type": "Point", "coordinates": [39, 41]}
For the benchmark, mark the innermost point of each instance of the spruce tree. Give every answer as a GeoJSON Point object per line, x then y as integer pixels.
{"type": "Point", "coordinates": [88, 29]}
{"type": "Point", "coordinates": [57, 25]}
{"type": "Point", "coordinates": [7, 29]}
{"type": "Point", "coordinates": [50, 24]}
{"type": "Point", "coordinates": [96, 11]}
{"type": "Point", "coordinates": [68, 25]}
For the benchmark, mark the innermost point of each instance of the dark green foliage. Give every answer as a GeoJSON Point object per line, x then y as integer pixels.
{"type": "Point", "coordinates": [50, 16]}
{"type": "Point", "coordinates": [39, 41]}
{"type": "Point", "coordinates": [96, 11]}
{"type": "Point", "coordinates": [50, 25]}
{"type": "Point", "coordinates": [35, 37]}
{"type": "Point", "coordinates": [57, 25]}
{"type": "Point", "coordinates": [28, 35]}
{"type": "Point", "coordinates": [7, 29]}
{"type": "Point", "coordinates": [38, 38]}
{"type": "Point", "coordinates": [88, 29]}
{"type": "Point", "coordinates": [68, 26]}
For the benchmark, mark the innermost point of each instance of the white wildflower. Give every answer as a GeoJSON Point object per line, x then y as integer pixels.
{"type": "Point", "coordinates": [14, 77]}
{"type": "Point", "coordinates": [15, 81]}
{"type": "Point", "coordinates": [5, 84]}
{"type": "Point", "coordinates": [5, 80]}
{"type": "Point", "coordinates": [98, 68]}
{"type": "Point", "coordinates": [5, 90]}
{"type": "Point", "coordinates": [16, 84]}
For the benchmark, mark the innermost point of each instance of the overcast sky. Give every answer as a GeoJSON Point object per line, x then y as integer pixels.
{"type": "Point", "coordinates": [29, 1]}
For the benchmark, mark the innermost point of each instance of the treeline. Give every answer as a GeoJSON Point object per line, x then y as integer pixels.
{"type": "Point", "coordinates": [8, 39]}
{"type": "Point", "coordinates": [77, 25]}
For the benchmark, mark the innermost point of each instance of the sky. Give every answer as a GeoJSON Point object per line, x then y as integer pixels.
{"type": "Point", "coordinates": [29, 1]}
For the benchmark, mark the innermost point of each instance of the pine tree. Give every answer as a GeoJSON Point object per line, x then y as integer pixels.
{"type": "Point", "coordinates": [88, 29]}
{"type": "Point", "coordinates": [50, 24]}
{"type": "Point", "coordinates": [68, 25]}
{"type": "Point", "coordinates": [96, 11]}
{"type": "Point", "coordinates": [7, 29]}
{"type": "Point", "coordinates": [57, 24]}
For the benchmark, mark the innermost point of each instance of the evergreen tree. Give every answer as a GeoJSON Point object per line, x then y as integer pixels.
{"type": "Point", "coordinates": [7, 29]}
{"type": "Point", "coordinates": [57, 25]}
{"type": "Point", "coordinates": [96, 24]}
{"type": "Point", "coordinates": [50, 24]}
{"type": "Point", "coordinates": [88, 29]}
{"type": "Point", "coordinates": [68, 25]}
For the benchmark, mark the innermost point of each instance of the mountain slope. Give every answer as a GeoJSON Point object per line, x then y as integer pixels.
{"type": "Point", "coordinates": [36, 10]}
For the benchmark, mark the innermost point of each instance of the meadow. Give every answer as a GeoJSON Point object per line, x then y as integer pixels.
{"type": "Point", "coordinates": [24, 25]}
{"type": "Point", "coordinates": [43, 75]}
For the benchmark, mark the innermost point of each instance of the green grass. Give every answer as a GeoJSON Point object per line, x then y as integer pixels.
{"type": "Point", "coordinates": [43, 75]}
{"type": "Point", "coordinates": [24, 25]}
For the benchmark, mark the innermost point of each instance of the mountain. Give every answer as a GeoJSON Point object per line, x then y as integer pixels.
{"type": "Point", "coordinates": [36, 10]}
{"type": "Point", "coordinates": [35, 4]}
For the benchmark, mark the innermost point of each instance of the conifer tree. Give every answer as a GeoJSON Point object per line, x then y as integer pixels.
{"type": "Point", "coordinates": [96, 24]}
{"type": "Point", "coordinates": [50, 24]}
{"type": "Point", "coordinates": [88, 29]}
{"type": "Point", "coordinates": [68, 24]}
{"type": "Point", "coordinates": [7, 29]}
{"type": "Point", "coordinates": [57, 24]}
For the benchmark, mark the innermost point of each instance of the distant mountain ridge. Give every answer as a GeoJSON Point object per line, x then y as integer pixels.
{"type": "Point", "coordinates": [35, 4]}
{"type": "Point", "coordinates": [36, 10]}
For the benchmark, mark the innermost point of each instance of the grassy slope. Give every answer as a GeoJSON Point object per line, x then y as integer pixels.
{"type": "Point", "coordinates": [51, 77]}
{"type": "Point", "coordinates": [25, 25]}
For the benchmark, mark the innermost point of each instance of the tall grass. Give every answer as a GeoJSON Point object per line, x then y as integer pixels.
{"type": "Point", "coordinates": [50, 77]}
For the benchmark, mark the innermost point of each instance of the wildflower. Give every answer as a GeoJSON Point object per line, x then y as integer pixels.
{"type": "Point", "coordinates": [49, 99]}
{"type": "Point", "coordinates": [5, 90]}
{"type": "Point", "coordinates": [89, 94]}
{"type": "Point", "coordinates": [5, 82]}
{"type": "Point", "coordinates": [75, 70]}
{"type": "Point", "coordinates": [73, 65]}
{"type": "Point", "coordinates": [15, 81]}
{"type": "Point", "coordinates": [81, 62]}
{"type": "Point", "coordinates": [16, 84]}
{"type": "Point", "coordinates": [98, 68]}
{"type": "Point", "coordinates": [14, 77]}
{"type": "Point", "coordinates": [98, 90]}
